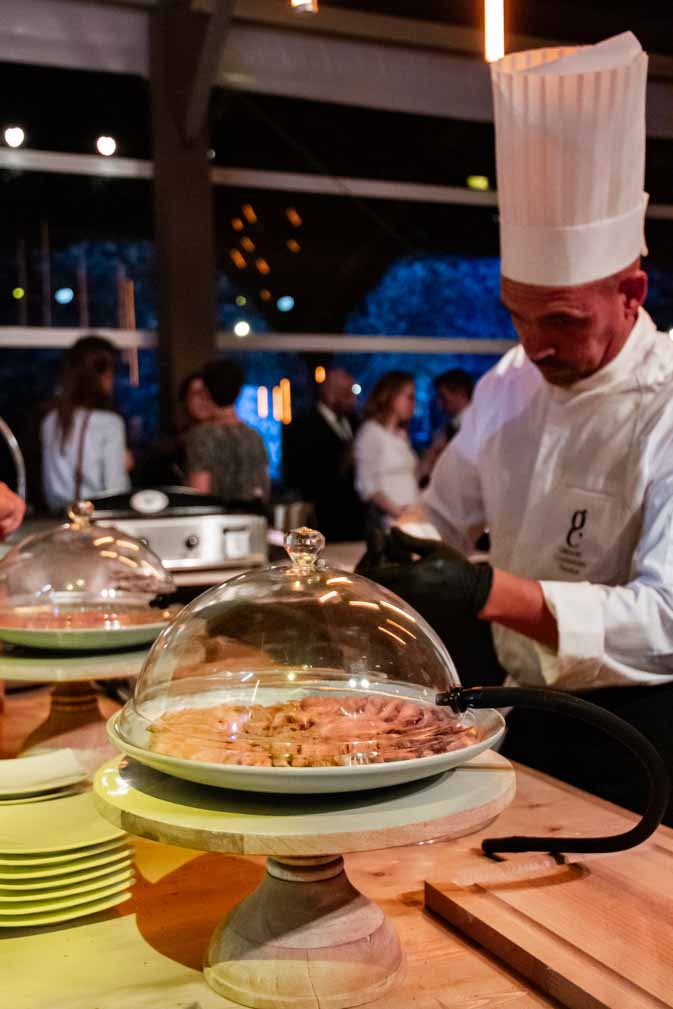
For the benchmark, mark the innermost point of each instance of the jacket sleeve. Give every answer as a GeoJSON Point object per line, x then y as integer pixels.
{"type": "Point", "coordinates": [453, 499]}
{"type": "Point", "coordinates": [368, 451]}
{"type": "Point", "coordinates": [615, 634]}
{"type": "Point", "coordinates": [113, 456]}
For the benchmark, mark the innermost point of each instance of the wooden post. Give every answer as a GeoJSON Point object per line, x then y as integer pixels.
{"type": "Point", "coordinates": [183, 205]}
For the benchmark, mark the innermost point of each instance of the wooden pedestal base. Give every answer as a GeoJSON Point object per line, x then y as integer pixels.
{"type": "Point", "coordinates": [304, 939]}
{"type": "Point", "coordinates": [74, 719]}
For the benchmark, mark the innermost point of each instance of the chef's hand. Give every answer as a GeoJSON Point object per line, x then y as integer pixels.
{"type": "Point", "coordinates": [12, 510]}
{"type": "Point", "coordinates": [435, 579]}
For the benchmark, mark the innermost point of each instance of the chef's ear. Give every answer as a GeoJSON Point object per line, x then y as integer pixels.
{"type": "Point", "coordinates": [633, 288]}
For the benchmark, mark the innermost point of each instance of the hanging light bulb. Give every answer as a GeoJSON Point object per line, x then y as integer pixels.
{"type": "Point", "coordinates": [494, 36]}
{"type": "Point", "coordinates": [304, 6]}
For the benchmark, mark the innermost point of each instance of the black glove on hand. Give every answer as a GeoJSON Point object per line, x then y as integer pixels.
{"type": "Point", "coordinates": [442, 585]}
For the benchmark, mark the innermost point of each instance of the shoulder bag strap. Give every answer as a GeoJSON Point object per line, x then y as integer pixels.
{"type": "Point", "coordinates": [80, 455]}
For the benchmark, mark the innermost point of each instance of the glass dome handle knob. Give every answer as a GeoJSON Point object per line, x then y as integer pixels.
{"type": "Point", "coordinates": [304, 546]}
{"type": "Point", "coordinates": [80, 513]}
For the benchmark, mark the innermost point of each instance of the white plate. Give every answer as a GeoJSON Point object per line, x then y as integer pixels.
{"type": "Point", "coordinates": [81, 868]}
{"type": "Point", "coordinates": [40, 773]}
{"type": "Point", "coordinates": [40, 829]}
{"type": "Point", "coordinates": [21, 800]}
{"type": "Point", "coordinates": [61, 888]}
{"type": "Point", "coordinates": [65, 914]}
{"type": "Point", "coordinates": [88, 639]}
{"type": "Point", "coordinates": [69, 855]}
{"type": "Point", "coordinates": [311, 780]}
{"type": "Point", "coordinates": [45, 902]}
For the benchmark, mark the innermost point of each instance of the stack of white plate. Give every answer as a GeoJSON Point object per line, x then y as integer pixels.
{"type": "Point", "coordinates": [51, 774]}
{"type": "Point", "coordinates": [60, 860]}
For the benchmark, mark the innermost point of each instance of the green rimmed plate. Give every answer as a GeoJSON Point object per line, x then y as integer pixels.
{"type": "Point", "coordinates": [65, 914]}
{"type": "Point", "coordinates": [19, 870]}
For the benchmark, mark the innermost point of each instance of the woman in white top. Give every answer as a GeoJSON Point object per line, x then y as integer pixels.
{"type": "Point", "coordinates": [385, 463]}
{"type": "Point", "coordinates": [83, 439]}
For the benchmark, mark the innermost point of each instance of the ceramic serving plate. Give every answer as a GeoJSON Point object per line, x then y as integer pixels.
{"type": "Point", "coordinates": [22, 800]}
{"type": "Point", "coordinates": [44, 772]}
{"type": "Point", "coordinates": [308, 780]}
{"type": "Point", "coordinates": [78, 640]}
{"type": "Point", "coordinates": [37, 830]}
{"type": "Point", "coordinates": [73, 854]}
{"type": "Point", "coordinates": [59, 889]}
{"type": "Point", "coordinates": [45, 902]}
{"type": "Point", "coordinates": [39, 876]}
{"type": "Point", "coordinates": [64, 914]}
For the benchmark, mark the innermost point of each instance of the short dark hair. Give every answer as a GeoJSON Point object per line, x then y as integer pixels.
{"type": "Point", "coordinates": [223, 380]}
{"type": "Point", "coordinates": [456, 380]}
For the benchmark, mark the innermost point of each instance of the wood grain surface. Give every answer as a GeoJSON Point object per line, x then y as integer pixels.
{"type": "Point", "coordinates": [595, 934]}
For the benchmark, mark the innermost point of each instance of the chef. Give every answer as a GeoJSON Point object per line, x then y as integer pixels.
{"type": "Point", "coordinates": [566, 453]}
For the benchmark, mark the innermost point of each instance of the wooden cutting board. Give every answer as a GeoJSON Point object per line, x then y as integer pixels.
{"type": "Point", "coordinates": [596, 934]}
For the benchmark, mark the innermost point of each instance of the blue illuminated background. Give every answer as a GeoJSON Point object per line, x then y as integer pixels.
{"type": "Point", "coordinates": [423, 295]}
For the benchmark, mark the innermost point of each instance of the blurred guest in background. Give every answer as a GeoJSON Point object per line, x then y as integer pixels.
{"type": "Point", "coordinates": [165, 462]}
{"type": "Point", "coordinates": [195, 400]}
{"type": "Point", "coordinates": [453, 391]}
{"type": "Point", "coordinates": [83, 439]}
{"type": "Point", "coordinates": [318, 459]}
{"type": "Point", "coordinates": [386, 466]}
{"type": "Point", "coordinates": [224, 456]}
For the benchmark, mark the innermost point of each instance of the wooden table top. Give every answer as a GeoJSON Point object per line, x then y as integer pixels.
{"type": "Point", "coordinates": [147, 952]}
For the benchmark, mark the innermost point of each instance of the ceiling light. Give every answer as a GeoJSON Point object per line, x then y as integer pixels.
{"type": "Point", "coordinates": [285, 303]}
{"type": "Point", "coordinates": [262, 266]}
{"type": "Point", "coordinates": [237, 224]}
{"type": "Point", "coordinates": [249, 213]}
{"type": "Point", "coordinates": [241, 300]}
{"type": "Point", "coordinates": [293, 245]}
{"type": "Point", "coordinates": [106, 146]}
{"type": "Point", "coordinates": [479, 182]}
{"type": "Point", "coordinates": [247, 244]}
{"type": "Point", "coordinates": [14, 136]}
{"type": "Point", "coordinates": [357, 389]}
{"type": "Point", "coordinates": [237, 259]}
{"type": "Point", "coordinates": [304, 6]}
{"type": "Point", "coordinates": [265, 294]}
{"type": "Point", "coordinates": [242, 328]}
{"type": "Point", "coordinates": [18, 293]}
{"type": "Point", "coordinates": [64, 295]}
{"type": "Point", "coordinates": [210, 154]}
{"type": "Point", "coordinates": [494, 34]}
{"type": "Point", "coordinates": [293, 217]}
{"type": "Point", "coordinates": [320, 374]}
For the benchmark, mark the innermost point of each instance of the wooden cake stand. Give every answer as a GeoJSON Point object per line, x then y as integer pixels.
{"type": "Point", "coordinates": [74, 717]}
{"type": "Point", "coordinates": [305, 938]}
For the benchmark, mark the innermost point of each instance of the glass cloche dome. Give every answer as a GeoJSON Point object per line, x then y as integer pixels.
{"type": "Point", "coordinates": [82, 586]}
{"type": "Point", "coordinates": [294, 667]}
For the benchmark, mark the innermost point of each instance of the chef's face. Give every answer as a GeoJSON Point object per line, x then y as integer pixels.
{"type": "Point", "coordinates": [570, 333]}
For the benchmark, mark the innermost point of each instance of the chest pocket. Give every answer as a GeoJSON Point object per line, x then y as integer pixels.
{"type": "Point", "coordinates": [593, 536]}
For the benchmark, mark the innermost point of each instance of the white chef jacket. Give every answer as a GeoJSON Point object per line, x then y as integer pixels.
{"type": "Point", "coordinates": [576, 487]}
{"type": "Point", "coordinates": [385, 463]}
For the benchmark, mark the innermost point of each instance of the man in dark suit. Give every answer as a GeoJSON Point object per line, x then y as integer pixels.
{"type": "Point", "coordinates": [318, 459]}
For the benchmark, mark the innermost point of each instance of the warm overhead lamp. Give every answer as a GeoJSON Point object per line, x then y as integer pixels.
{"type": "Point", "coordinates": [106, 146]}
{"type": "Point", "coordinates": [304, 6]}
{"type": "Point", "coordinates": [14, 136]}
{"type": "Point", "coordinates": [494, 33]}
